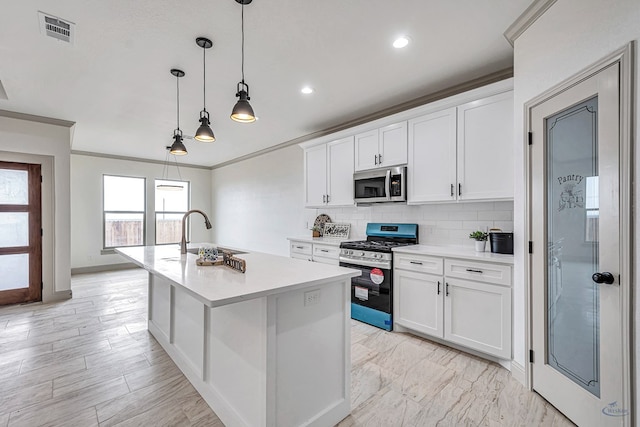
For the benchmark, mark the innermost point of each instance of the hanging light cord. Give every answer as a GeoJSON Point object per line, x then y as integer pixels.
{"type": "Point", "coordinates": [204, 80]}
{"type": "Point", "coordinates": [175, 159]}
{"type": "Point", "coordinates": [178, 100]}
{"type": "Point", "coordinates": [242, 26]}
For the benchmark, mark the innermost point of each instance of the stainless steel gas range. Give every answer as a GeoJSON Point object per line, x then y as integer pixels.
{"type": "Point", "coordinates": [372, 292]}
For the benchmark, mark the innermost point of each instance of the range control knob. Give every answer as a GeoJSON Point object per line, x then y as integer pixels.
{"type": "Point", "coordinates": [361, 253]}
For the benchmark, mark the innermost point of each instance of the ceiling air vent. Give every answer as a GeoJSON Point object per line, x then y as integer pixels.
{"type": "Point", "coordinates": [58, 28]}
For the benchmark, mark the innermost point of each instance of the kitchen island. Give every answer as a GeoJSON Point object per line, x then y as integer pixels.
{"type": "Point", "coordinates": [270, 347]}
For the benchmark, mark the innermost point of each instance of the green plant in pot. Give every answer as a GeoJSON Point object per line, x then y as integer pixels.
{"type": "Point", "coordinates": [481, 239]}
{"type": "Point", "coordinates": [316, 231]}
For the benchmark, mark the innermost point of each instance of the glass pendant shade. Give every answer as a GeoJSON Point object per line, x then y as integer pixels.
{"type": "Point", "coordinates": [242, 111]}
{"type": "Point", "coordinates": [178, 147]}
{"type": "Point", "coordinates": [204, 132]}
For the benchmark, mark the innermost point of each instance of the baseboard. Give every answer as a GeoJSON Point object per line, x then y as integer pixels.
{"type": "Point", "coordinates": [57, 296]}
{"type": "Point", "coordinates": [518, 373]}
{"type": "Point", "coordinates": [101, 268]}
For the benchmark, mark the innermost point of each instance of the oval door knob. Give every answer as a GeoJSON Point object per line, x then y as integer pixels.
{"type": "Point", "coordinates": [604, 277]}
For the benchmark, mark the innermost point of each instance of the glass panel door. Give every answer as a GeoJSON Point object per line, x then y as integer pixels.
{"type": "Point", "coordinates": [20, 233]}
{"type": "Point", "coordinates": [573, 316]}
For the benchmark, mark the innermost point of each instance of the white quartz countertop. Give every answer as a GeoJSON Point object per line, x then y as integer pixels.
{"type": "Point", "coordinates": [219, 285]}
{"type": "Point", "coordinates": [333, 241]}
{"type": "Point", "coordinates": [455, 252]}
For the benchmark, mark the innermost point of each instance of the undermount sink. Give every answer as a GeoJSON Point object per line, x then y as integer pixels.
{"type": "Point", "coordinates": [220, 249]}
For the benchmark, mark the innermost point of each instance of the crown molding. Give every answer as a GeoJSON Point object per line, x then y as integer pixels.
{"type": "Point", "coordinates": [38, 119]}
{"type": "Point", "coordinates": [526, 19]}
{"type": "Point", "coordinates": [133, 159]}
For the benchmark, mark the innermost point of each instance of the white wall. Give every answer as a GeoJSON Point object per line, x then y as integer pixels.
{"type": "Point", "coordinates": [86, 203]}
{"type": "Point", "coordinates": [569, 37]}
{"type": "Point", "coordinates": [34, 142]}
{"type": "Point", "coordinates": [257, 203]}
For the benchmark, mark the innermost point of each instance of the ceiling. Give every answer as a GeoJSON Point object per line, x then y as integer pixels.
{"type": "Point", "coordinates": [115, 84]}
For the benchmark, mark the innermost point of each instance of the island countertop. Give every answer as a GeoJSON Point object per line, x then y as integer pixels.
{"type": "Point", "coordinates": [219, 285]}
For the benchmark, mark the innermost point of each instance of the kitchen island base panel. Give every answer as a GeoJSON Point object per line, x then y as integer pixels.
{"type": "Point", "coordinates": [269, 361]}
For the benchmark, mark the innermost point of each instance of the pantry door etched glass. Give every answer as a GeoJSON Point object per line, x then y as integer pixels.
{"type": "Point", "coordinates": [572, 309]}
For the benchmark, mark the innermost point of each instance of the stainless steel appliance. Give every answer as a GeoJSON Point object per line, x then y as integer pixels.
{"type": "Point", "coordinates": [381, 185]}
{"type": "Point", "coordinates": [372, 292]}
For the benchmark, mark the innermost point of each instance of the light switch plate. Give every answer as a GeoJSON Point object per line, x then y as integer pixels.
{"type": "Point", "coordinates": [312, 297]}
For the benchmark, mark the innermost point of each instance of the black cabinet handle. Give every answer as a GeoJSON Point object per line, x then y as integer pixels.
{"type": "Point", "coordinates": [451, 190]}
{"type": "Point", "coordinates": [604, 277]}
{"type": "Point", "coordinates": [459, 189]}
{"type": "Point", "coordinates": [380, 158]}
{"type": "Point", "coordinates": [447, 289]}
{"type": "Point", "coordinates": [471, 270]}
{"type": "Point", "coordinates": [415, 262]}
{"type": "Point", "coordinates": [324, 250]}
{"type": "Point", "coordinates": [375, 159]}
{"type": "Point", "coordinates": [438, 287]}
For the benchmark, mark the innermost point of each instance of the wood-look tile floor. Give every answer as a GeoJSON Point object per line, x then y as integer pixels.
{"type": "Point", "coordinates": [90, 361]}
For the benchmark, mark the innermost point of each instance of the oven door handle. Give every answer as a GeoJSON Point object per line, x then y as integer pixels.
{"type": "Point", "coordinates": [387, 184]}
{"type": "Point", "coordinates": [365, 263]}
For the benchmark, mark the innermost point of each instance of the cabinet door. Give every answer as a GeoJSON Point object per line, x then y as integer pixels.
{"type": "Point", "coordinates": [315, 175]}
{"type": "Point", "coordinates": [485, 148]}
{"type": "Point", "coordinates": [431, 172]}
{"type": "Point", "coordinates": [393, 145]}
{"type": "Point", "coordinates": [417, 301]}
{"type": "Point", "coordinates": [366, 150]}
{"type": "Point", "coordinates": [340, 172]}
{"type": "Point", "coordinates": [478, 316]}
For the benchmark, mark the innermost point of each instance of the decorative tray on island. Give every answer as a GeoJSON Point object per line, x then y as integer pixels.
{"type": "Point", "coordinates": [227, 260]}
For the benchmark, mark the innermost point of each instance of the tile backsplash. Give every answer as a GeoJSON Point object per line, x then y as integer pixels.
{"type": "Point", "coordinates": [446, 224]}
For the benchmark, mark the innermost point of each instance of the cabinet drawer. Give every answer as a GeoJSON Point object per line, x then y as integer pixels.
{"type": "Point", "coordinates": [300, 248]}
{"type": "Point", "coordinates": [419, 263]}
{"type": "Point", "coordinates": [326, 251]}
{"type": "Point", "coordinates": [478, 271]}
{"type": "Point", "coordinates": [296, 255]}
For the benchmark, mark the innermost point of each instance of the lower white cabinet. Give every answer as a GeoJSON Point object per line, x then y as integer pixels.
{"type": "Point", "coordinates": [317, 252]}
{"type": "Point", "coordinates": [478, 315]}
{"type": "Point", "coordinates": [471, 313]}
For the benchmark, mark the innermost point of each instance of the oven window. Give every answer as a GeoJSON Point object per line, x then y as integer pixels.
{"type": "Point", "coordinates": [370, 187]}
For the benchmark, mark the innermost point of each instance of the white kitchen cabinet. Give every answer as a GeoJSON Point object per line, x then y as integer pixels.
{"type": "Point", "coordinates": [310, 250]}
{"type": "Point", "coordinates": [462, 153]}
{"type": "Point", "coordinates": [418, 301]}
{"type": "Point", "coordinates": [485, 148]}
{"type": "Point", "coordinates": [478, 315]}
{"type": "Point", "coordinates": [383, 147]}
{"type": "Point", "coordinates": [463, 302]}
{"type": "Point", "coordinates": [431, 171]}
{"type": "Point", "coordinates": [328, 174]}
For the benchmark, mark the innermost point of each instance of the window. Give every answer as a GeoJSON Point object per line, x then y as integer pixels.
{"type": "Point", "coordinates": [124, 214]}
{"type": "Point", "coordinates": [172, 202]}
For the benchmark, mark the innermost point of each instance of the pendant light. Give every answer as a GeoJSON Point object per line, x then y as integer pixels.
{"type": "Point", "coordinates": [165, 175]}
{"type": "Point", "coordinates": [242, 111]}
{"type": "Point", "coordinates": [204, 132]}
{"type": "Point", "coordinates": [177, 147]}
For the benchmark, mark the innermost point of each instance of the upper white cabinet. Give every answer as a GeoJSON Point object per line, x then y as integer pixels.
{"type": "Point", "coordinates": [328, 174]}
{"type": "Point", "coordinates": [485, 148]}
{"type": "Point", "coordinates": [431, 171]}
{"type": "Point", "coordinates": [383, 147]}
{"type": "Point", "coordinates": [462, 153]}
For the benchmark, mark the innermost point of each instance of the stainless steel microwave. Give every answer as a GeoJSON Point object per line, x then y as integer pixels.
{"type": "Point", "coordinates": [381, 185]}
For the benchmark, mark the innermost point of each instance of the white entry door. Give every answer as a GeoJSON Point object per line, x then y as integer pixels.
{"type": "Point", "coordinates": [576, 305]}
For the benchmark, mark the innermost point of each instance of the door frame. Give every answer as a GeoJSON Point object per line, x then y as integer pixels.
{"type": "Point", "coordinates": [625, 57]}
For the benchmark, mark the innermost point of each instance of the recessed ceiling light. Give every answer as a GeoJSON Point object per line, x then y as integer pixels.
{"type": "Point", "coordinates": [401, 42]}
{"type": "Point", "coordinates": [307, 90]}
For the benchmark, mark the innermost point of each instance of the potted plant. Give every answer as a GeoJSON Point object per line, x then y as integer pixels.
{"type": "Point", "coordinates": [316, 231]}
{"type": "Point", "coordinates": [481, 239]}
